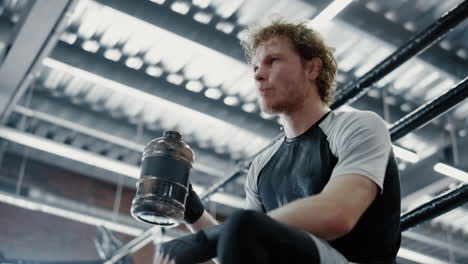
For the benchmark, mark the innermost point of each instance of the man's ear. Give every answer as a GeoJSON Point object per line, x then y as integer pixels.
{"type": "Point", "coordinates": [313, 68]}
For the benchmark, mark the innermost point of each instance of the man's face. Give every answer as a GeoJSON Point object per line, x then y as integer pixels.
{"type": "Point", "coordinates": [280, 76]}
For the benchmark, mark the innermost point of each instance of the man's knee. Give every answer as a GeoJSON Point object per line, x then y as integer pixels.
{"type": "Point", "coordinates": [245, 219]}
{"type": "Point", "coordinates": [241, 224]}
{"type": "Point", "coordinates": [239, 235]}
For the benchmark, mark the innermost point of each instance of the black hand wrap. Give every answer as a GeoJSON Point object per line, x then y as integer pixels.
{"type": "Point", "coordinates": [193, 206]}
{"type": "Point", "coordinates": [194, 248]}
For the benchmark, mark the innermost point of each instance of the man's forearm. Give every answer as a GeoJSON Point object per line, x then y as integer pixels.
{"type": "Point", "coordinates": [312, 214]}
{"type": "Point", "coordinates": [206, 220]}
{"type": "Point", "coordinates": [335, 211]}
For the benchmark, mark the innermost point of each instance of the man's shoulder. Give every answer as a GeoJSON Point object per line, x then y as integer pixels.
{"type": "Point", "coordinates": [348, 119]}
{"type": "Point", "coordinates": [354, 115]}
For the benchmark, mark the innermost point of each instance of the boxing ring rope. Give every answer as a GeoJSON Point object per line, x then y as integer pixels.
{"type": "Point", "coordinates": [429, 111]}
{"type": "Point", "coordinates": [417, 44]}
{"type": "Point", "coordinates": [448, 200]}
{"type": "Point", "coordinates": [414, 120]}
{"type": "Point", "coordinates": [436, 207]}
{"type": "Point", "coordinates": [407, 124]}
{"type": "Point", "coordinates": [133, 245]}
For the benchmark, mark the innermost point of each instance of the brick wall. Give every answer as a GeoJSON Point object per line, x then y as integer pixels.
{"type": "Point", "coordinates": [35, 235]}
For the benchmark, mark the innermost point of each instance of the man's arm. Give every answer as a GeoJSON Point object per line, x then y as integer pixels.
{"type": "Point", "coordinates": [332, 213]}
{"type": "Point", "coordinates": [205, 220]}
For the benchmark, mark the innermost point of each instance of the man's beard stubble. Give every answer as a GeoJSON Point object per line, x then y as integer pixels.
{"type": "Point", "coordinates": [288, 105]}
{"type": "Point", "coordinates": [275, 109]}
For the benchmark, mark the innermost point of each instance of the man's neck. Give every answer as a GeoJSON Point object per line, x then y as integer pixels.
{"type": "Point", "coordinates": [297, 122]}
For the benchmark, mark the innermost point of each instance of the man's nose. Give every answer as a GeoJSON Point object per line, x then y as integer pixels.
{"type": "Point", "coordinates": [260, 74]}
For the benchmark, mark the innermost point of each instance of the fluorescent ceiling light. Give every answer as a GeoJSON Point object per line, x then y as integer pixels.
{"type": "Point", "coordinates": [418, 257]}
{"type": "Point", "coordinates": [118, 87]}
{"type": "Point", "coordinates": [178, 113]}
{"type": "Point", "coordinates": [231, 100]}
{"type": "Point", "coordinates": [249, 107]}
{"type": "Point", "coordinates": [75, 216]}
{"type": "Point", "coordinates": [63, 150]}
{"type": "Point", "coordinates": [451, 172]}
{"type": "Point", "coordinates": [98, 161]}
{"type": "Point", "coordinates": [113, 54]}
{"type": "Point", "coordinates": [329, 12]}
{"type": "Point", "coordinates": [91, 46]}
{"type": "Point", "coordinates": [406, 155]}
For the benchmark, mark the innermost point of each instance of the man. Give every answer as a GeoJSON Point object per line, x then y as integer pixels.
{"type": "Point", "coordinates": [328, 192]}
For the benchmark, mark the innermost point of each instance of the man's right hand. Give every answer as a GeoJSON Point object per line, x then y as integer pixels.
{"type": "Point", "coordinates": [189, 249]}
{"type": "Point", "coordinates": [193, 206]}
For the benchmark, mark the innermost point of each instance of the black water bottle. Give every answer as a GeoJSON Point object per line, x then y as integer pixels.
{"type": "Point", "coordinates": [164, 178]}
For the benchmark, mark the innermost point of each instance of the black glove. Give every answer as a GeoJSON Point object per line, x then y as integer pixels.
{"type": "Point", "coordinates": [194, 248]}
{"type": "Point", "coordinates": [193, 206]}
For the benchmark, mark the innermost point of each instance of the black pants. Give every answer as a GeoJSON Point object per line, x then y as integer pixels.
{"type": "Point", "coordinates": [252, 237]}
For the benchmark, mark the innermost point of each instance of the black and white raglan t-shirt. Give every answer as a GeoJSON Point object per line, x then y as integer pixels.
{"type": "Point", "coordinates": [339, 144]}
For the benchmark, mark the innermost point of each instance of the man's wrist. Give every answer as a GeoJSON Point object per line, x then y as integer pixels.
{"type": "Point", "coordinates": [192, 215]}
{"type": "Point", "coordinates": [205, 221]}
{"type": "Point", "coordinates": [193, 207]}
{"type": "Point", "coordinates": [196, 222]}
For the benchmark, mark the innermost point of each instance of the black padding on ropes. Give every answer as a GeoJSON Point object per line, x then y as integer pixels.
{"type": "Point", "coordinates": [436, 207]}
{"type": "Point", "coordinates": [415, 120]}
{"type": "Point", "coordinates": [424, 39]}
{"type": "Point", "coordinates": [429, 111]}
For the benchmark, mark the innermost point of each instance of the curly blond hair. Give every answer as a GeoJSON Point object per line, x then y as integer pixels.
{"type": "Point", "coordinates": [307, 42]}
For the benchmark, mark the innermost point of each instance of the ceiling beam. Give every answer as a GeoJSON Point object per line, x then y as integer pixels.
{"type": "Point", "coordinates": [35, 38]}
{"type": "Point", "coordinates": [102, 126]}
{"type": "Point", "coordinates": [6, 30]}
{"type": "Point", "coordinates": [138, 79]}
{"type": "Point", "coordinates": [356, 15]}
{"type": "Point", "coordinates": [183, 25]}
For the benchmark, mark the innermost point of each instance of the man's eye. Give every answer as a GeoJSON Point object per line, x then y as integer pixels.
{"type": "Point", "coordinates": [255, 68]}
{"type": "Point", "coordinates": [274, 59]}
